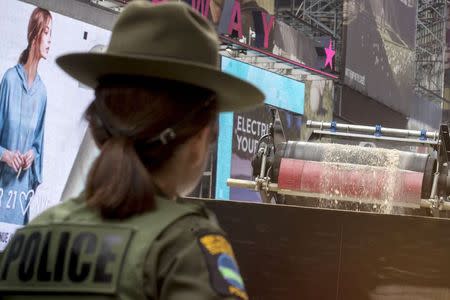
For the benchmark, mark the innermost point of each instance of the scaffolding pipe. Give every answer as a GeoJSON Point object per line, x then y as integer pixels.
{"type": "Point", "coordinates": [372, 129]}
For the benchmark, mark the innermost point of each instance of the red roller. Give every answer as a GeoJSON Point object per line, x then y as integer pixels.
{"type": "Point", "coordinates": [356, 182]}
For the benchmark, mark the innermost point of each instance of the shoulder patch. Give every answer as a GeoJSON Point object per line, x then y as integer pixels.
{"type": "Point", "coordinates": [223, 269]}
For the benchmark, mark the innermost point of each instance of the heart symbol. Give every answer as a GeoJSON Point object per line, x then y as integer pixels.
{"type": "Point", "coordinates": [25, 197]}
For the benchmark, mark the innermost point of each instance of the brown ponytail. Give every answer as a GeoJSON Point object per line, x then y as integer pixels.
{"type": "Point", "coordinates": [116, 175]}
{"type": "Point", "coordinates": [126, 114]}
{"type": "Point", "coordinates": [24, 55]}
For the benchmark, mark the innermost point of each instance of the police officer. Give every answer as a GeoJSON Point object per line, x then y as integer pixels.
{"type": "Point", "coordinates": [158, 90]}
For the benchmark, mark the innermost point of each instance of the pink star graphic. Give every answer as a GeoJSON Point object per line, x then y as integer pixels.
{"type": "Point", "coordinates": [329, 52]}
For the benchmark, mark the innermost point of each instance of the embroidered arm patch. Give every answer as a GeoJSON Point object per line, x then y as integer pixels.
{"type": "Point", "coordinates": [223, 269]}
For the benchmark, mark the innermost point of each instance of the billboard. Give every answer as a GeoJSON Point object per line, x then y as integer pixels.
{"type": "Point", "coordinates": [295, 45]}
{"type": "Point", "coordinates": [379, 54]}
{"type": "Point", "coordinates": [253, 22]}
{"type": "Point", "coordinates": [239, 132]}
{"type": "Point", "coordinates": [249, 21]}
{"type": "Point", "coordinates": [41, 109]}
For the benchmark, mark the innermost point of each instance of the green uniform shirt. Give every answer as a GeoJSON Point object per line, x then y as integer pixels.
{"type": "Point", "coordinates": [177, 251]}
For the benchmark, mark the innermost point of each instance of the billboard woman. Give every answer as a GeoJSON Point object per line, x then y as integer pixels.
{"type": "Point", "coordinates": [23, 99]}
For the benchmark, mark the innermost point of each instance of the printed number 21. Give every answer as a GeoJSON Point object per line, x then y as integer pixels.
{"type": "Point", "coordinates": [8, 204]}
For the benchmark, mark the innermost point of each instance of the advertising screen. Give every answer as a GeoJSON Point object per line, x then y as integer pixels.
{"type": "Point", "coordinates": [41, 109]}
{"type": "Point", "coordinates": [379, 55]}
{"type": "Point", "coordinates": [239, 132]}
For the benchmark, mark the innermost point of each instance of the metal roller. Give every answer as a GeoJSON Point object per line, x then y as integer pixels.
{"type": "Point", "coordinates": [350, 182]}
{"type": "Point", "coordinates": [351, 155]}
{"type": "Point", "coordinates": [353, 173]}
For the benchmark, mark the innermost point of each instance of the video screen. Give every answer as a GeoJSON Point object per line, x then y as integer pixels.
{"type": "Point", "coordinates": [239, 132]}
{"type": "Point", "coordinates": [379, 55]}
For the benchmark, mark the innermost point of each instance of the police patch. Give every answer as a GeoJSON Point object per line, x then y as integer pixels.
{"type": "Point", "coordinates": [222, 266]}
{"type": "Point", "coordinates": [65, 259]}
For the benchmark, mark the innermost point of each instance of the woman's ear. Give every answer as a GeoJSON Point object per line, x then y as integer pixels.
{"type": "Point", "coordinates": [199, 146]}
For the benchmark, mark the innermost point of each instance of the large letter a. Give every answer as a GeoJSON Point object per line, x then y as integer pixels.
{"type": "Point", "coordinates": [235, 20]}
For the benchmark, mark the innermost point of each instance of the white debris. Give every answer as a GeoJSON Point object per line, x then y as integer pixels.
{"type": "Point", "coordinates": [342, 158]}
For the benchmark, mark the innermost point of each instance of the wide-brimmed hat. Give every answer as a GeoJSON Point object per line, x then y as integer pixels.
{"type": "Point", "coordinates": [168, 41]}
